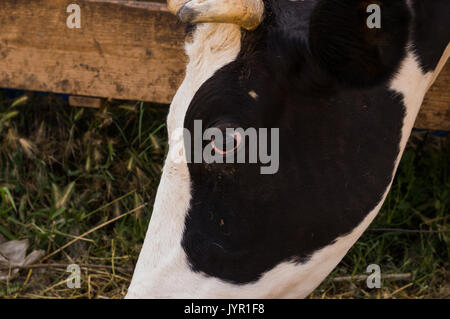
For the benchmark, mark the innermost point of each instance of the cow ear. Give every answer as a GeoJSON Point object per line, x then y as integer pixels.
{"type": "Point", "coordinates": [361, 42]}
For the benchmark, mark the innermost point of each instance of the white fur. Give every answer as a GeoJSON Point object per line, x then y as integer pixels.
{"type": "Point", "coordinates": [162, 270]}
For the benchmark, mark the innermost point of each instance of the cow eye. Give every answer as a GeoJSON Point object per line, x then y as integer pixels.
{"type": "Point", "coordinates": [230, 143]}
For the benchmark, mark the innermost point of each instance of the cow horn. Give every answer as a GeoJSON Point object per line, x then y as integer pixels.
{"type": "Point", "coordinates": [246, 13]}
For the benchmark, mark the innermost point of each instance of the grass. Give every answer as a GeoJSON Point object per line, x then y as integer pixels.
{"type": "Point", "coordinates": [65, 171]}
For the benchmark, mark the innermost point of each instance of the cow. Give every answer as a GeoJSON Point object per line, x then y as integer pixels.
{"type": "Point", "coordinates": [344, 94]}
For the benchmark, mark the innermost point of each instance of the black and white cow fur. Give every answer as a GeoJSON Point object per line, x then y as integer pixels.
{"type": "Point", "coordinates": [345, 98]}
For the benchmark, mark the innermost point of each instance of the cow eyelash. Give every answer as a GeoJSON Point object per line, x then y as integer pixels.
{"type": "Point", "coordinates": [234, 138]}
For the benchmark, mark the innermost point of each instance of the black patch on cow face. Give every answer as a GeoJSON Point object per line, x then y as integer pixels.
{"type": "Point", "coordinates": [431, 33]}
{"type": "Point", "coordinates": [338, 146]}
{"type": "Point", "coordinates": [356, 54]}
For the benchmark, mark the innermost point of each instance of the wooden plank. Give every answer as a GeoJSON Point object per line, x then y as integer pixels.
{"type": "Point", "coordinates": [121, 52]}
{"type": "Point", "coordinates": [85, 101]}
{"type": "Point", "coordinates": [435, 112]}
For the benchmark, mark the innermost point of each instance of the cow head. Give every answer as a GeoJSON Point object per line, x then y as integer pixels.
{"type": "Point", "coordinates": [333, 89]}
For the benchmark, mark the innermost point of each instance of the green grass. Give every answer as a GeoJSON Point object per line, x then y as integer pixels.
{"type": "Point", "coordinates": [64, 171]}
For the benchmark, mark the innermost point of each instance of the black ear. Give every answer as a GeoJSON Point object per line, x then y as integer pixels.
{"type": "Point", "coordinates": [358, 53]}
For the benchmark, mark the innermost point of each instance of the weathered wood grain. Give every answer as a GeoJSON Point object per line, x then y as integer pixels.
{"type": "Point", "coordinates": [122, 52]}
{"type": "Point", "coordinates": [85, 101]}
{"type": "Point", "coordinates": [435, 112]}
{"type": "Point", "coordinates": [119, 52]}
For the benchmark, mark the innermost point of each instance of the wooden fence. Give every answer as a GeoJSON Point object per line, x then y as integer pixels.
{"type": "Point", "coordinates": [121, 51]}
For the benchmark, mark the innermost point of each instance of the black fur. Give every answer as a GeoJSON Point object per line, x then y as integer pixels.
{"type": "Point", "coordinates": [431, 32]}
{"type": "Point", "coordinates": [346, 47]}
{"type": "Point", "coordinates": [339, 139]}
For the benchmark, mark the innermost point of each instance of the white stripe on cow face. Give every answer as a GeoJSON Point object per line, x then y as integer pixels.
{"type": "Point", "coordinates": [162, 257]}
{"type": "Point", "coordinates": [162, 270]}
{"type": "Point", "coordinates": [412, 83]}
